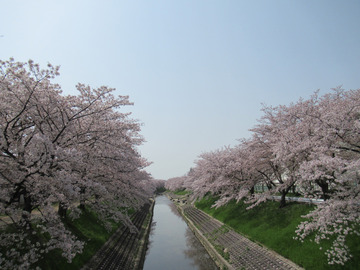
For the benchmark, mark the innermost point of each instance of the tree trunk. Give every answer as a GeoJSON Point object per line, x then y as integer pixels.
{"type": "Point", "coordinates": [82, 205]}
{"type": "Point", "coordinates": [27, 209]}
{"type": "Point", "coordinates": [324, 189]}
{"type": "Point", "coordinates": [82, 200]}
{"type": "Point", "coordinates": [62, 210]}
{"type": "Point", "coordinates": [283, 199]}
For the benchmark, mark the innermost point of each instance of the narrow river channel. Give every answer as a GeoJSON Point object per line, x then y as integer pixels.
{"type": "Point", "coordinates": [172, 245]}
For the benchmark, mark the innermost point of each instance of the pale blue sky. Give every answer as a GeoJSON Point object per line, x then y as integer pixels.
{"type": "Point", "coordinates": [197, 71]}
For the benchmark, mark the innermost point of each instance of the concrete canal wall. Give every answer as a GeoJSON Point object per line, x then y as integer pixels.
{"type": "Point", "coordinates": [219, 260]}
{"type": "Point", "coordinates": [229, 249]}
{"type": "Point", "coordinates": [125, 250]}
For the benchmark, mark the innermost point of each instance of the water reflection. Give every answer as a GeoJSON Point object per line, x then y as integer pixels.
{"type": "Point", "coordinates": [174, 209]}
{"type": "Point", "coordinates": [172, 244]}
{"type": "Point", "coordinates": [197, 253]}
{"type": "Point", "coordinates": [151, 237]}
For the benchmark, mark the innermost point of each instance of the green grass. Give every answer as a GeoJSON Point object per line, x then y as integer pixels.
{"type": "Point", "coordinates": [181, 192]}
{"type": "Point", "coordinates": [275, 229]}
{"type": "Point", "coordinates": [88, 229]}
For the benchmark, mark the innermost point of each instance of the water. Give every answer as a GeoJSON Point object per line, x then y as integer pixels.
{"type": "Point", "coordinates": [172, 245]}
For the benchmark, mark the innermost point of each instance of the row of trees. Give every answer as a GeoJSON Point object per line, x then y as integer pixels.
{"type": "Point", "coordinates": [311, 147]}
{"type": "Point", "coordinates": [58, 155]}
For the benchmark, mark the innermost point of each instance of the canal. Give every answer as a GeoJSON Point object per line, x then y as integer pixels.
{"type": "Point", "coordinates": [172, 245]}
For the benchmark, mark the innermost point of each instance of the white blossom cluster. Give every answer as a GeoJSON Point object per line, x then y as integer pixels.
{"type": "Point", "coordinates": [59, 155]}
{"type": "Point", "coordinates": [312, 148]}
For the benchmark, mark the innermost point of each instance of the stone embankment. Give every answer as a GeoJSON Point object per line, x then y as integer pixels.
{"type": "Point", "coordinates": [228, 249]}
{"type": "Point", "coordinates": [125, 250]}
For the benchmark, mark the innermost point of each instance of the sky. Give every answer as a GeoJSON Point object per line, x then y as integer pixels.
{"type": "Point", "coordinates": [198, 71]}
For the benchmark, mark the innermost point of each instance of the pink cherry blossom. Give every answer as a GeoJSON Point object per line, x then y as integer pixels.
{"type": "Point", "coordinates": [62, 150]}
{"type": "Point", "coordinates": [310, 147]}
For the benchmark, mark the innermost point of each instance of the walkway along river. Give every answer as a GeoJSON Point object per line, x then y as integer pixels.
{"type": "Point", "coordinates": [172, 245]}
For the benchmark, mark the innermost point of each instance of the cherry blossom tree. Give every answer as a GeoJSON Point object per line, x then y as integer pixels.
{"type": "Point", "coordinates": [311, 147]}
{"type": "Point", "coordinates": [175, 183]}
{"type": "Point", "coordinates": [335, 160]}
{"type": "Point", "coordinates": [61, 150]}
{"type": "Point", "coordinates": [278, 138]}
{"type": "Point", "coordinates": [154, 185]}
{"type": "Point", "coordinates": [219, 173]}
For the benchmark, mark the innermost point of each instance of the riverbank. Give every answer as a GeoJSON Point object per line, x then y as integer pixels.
{"type": "Point", "coordinates": [219, 260]}
{"type": "Point", "coordinates": [172, 245]}
{"type": "Point", "coordinates": [275, 227]}
{"type": "Point", "coordinates": [144, 239]}
{"type": "Point", "coordinates": [228, 249]}
{"type": "Point", "coordinates": [125, 249]}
